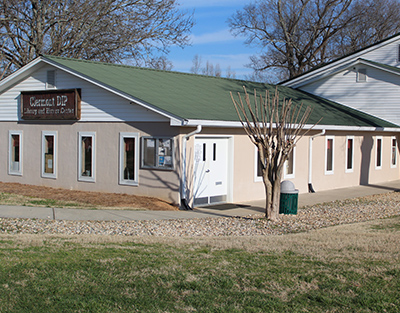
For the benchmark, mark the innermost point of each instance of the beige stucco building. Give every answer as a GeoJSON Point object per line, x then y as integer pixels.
{"type": "Point", "coordinates": [100, 127]}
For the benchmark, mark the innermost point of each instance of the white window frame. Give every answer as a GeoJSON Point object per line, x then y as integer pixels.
{"type": "Point", "coordinates": [122, 181]}
{"type": "Point", "coordinates": [43, 157]}
{"type": "Point", "coordinates": [285, 175]}
{"type": "Point", "coordinates": [376, 152]}
{"type": "Point", "coordinates": [349, 170]}
{"type": "Point", "coordinates": [329, 172]}
{"type": "Point", "coordinates": [391, 152]}
{"type": "Point", "coordinates": [91, 178]}
{"type": "Point", "coordinates": [11, 171]}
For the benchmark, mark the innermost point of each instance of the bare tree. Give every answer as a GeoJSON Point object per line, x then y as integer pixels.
{"type": "Point", "coordinates": [217, 71]}
{"type": "Point", "coordinates": [108, 30]}
{"type": "Point", "coordinates": [196, 67]}
{"type": "Point", "coordinates": [376, 21]}
{"type": "Point", "coordinates": [161, 63]}
{"type": "Point", "coordinates": [274, 126]}
{"type": "Point", "coordinates": [299, 35]}
{"type": "Point", "coordinates": [208, 69]}
{"type": "Point", "coordinates": [230, 73]}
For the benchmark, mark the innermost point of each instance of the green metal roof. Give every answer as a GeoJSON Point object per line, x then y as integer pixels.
{"type": "Point", "coordinates": [189, 96]}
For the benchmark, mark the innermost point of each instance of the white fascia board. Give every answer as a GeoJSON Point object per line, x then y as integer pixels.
{"type": "Point", "coordinates": [173, 118]}
{"type": "Point", "coordinates": [23, 71]}
{"type": "Point", "coordinates": [322, 74]}
{"type": "Point", "coordinates": [382, 68]}
{"type": "Point", "coordinates": [212, 123]}
{"type": "Point", "coordinates": [305, 78]}
{"type": "Point", "coordinates": [339, 68]}
{"type": "Point", "coordinates": [233, 124]}
{"type": "Point", "coordinates": [354, 128]}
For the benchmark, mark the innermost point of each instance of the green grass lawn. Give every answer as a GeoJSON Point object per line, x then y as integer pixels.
{"type": "Point", "coordinates": [321, 271]}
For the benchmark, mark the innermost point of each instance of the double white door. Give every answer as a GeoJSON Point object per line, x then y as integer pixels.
{"type": "Point", "coordinates": [210, 170]}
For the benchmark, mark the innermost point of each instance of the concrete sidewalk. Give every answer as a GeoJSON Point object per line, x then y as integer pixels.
{"type": "Point", "coordinates": [222, 210]}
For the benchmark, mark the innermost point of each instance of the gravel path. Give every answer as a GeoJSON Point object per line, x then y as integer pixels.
{"type": "Point", "coordinates": [308, 218]}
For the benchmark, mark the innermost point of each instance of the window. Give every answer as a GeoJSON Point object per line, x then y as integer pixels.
{"type": "Point", "coordinates": [51, 80]}
{"type": "Point", "coordinates": [128, 158]}
{"type": "Point", "coordinates": [329, 154]}
{"type": "Point", "coordinates": [257, 166]}
{"type": "Point", "coordinates": [15, 153]}
{"type": "Point", "coordinates": [87, 151]}
{"type": "Point", "coordinates": [49, 151]}
{"type": "Point", "coordinates": [378, 153]}
{"type": "Point", "coordinates": [393, 159]}
{"type": "Point", "coordinates": [362, 75]}
{"type": "Point", "coordinates": [349, 154]}
{"type": "Point", "coordinates": [289, 165]}
{"type": "Point", "coordinates": [157, 153]}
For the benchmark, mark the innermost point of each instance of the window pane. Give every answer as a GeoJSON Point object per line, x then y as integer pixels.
{"type": "Point", "coordinates": [129, 159]}
{"type": "Point", "coordinates": [329, 155]}
{"type": "Point", "coordinates": [49, 154]}
{"type": "Point", "coordinates": [379, 152]}
{"type": "Point", "coordinates": [349, 154]}
{"type": "Point", "coordinates": [86, 156]}
{"type": "Point", "coordinates": [259, 166]}
{"type": "Point", "coordinates": [149, 153]}
{"type": "Point", "coordinates": [165, 153]}
{"type": "Point", "coordinates": [394, 148]}
{"type": "Point", "coordinates": [15, 152]}
{"type": "Point", "coordinates": [289, 164]}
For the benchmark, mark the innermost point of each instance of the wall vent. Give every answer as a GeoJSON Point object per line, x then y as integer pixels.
{"type": "Point", "coordinates": [362, 75]}
{"type": "Point", "coordinates": [51, 80]}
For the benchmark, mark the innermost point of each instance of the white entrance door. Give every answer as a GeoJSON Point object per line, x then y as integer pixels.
{"type": "Point", "coordinates": [210, 170]}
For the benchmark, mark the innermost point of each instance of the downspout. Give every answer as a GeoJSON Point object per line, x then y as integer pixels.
{"type": "Point", "coordinates": [310, 186]}
{"type": "Point", "coordinates": [184, 202]}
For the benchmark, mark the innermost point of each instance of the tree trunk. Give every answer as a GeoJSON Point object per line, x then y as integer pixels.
{"type": "Point", "coordinates": [272, 196]}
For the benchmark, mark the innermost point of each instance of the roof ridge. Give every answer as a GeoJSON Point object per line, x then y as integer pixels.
{"type": "Point", "coordinates": [146, 68]}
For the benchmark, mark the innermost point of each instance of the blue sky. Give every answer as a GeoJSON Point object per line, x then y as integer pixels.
{"type": "Point", "coordinates": [211, 38]}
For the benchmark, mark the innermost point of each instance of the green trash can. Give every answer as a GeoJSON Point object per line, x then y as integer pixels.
{"type": "Point", "coordinates": [289, 198]}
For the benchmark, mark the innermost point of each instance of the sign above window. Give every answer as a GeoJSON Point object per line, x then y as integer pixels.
{"type": "Point", "coordinates": [51, 105]}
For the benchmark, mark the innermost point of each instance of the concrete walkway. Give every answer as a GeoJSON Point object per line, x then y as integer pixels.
{"type": "Point", "coordinates": [223, 210]}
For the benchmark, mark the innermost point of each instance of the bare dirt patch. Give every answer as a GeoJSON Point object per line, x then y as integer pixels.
{"type": "Point", "coordinates": [98, 199]}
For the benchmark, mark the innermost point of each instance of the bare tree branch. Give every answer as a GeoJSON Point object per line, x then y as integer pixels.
{"type": "Point", "coordinates": [298, 35]}
{"type": "Point", "coordinates": [108, 30]}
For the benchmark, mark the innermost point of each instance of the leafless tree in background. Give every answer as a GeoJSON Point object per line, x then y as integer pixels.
{"type": "Point", "coordinates": [209, 69]}
{"type": "Point", "coordinates": [297, 35]}
{"type": "Point", "coordinates": [196, 67]}
{"type": "Point", "coordinates": [274, 126]}
{"type": "Point", "coordinates": [376, 21]}
{"type": "Point", "coordinates": [107, 30]}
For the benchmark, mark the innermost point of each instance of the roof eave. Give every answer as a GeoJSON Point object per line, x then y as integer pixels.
{"type": "Point", "coordinates": [237, 124]}
{"type": "Point", "coordinates": [25, 70]}
{"type": "Point", "coordinates": [304, 78]}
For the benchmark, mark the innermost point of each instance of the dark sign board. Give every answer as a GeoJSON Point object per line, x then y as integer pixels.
{"type": "Point", "coordinates": [51, 104]}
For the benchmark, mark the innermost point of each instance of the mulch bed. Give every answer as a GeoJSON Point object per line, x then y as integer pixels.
{"type": "Point", "coordinates": [87, 197]}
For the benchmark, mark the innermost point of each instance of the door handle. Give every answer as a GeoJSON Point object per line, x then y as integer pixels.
{"type": "Point", "coordinates": [208, 171]}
